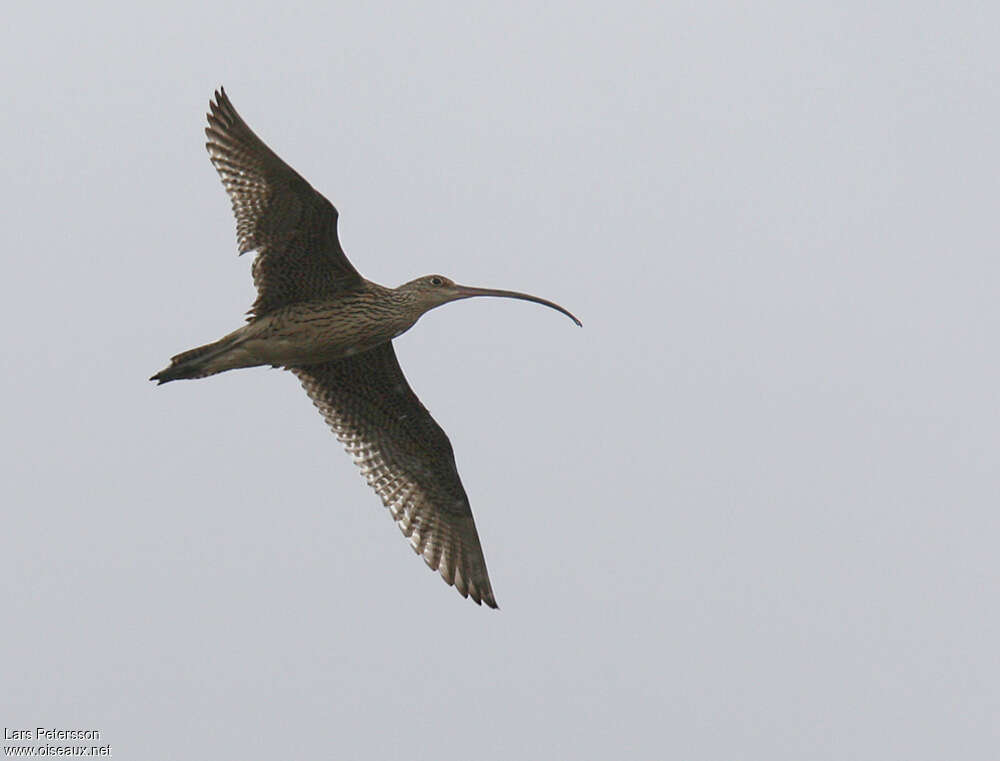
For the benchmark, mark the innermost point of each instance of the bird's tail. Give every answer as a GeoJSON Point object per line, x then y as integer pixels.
{"type": "Point", "coordinates": [198, 363]}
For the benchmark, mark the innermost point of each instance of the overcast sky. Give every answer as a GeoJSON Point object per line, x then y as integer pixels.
{"type": "Point", "coordinates": [749, 511]}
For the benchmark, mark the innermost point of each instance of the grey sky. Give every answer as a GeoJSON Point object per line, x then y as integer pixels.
{"type": "Point", "coordinates": [749, 511]}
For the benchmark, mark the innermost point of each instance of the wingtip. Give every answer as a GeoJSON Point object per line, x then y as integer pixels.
{"type": "Point", "coordinates": [484, 597]}
{"type": "Point", "coordinates": [219, 103]}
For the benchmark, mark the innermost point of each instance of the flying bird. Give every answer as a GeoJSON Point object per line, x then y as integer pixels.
{"type": "Point", "coordinates": [318, 317]}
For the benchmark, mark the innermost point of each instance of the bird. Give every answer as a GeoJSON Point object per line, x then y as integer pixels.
{"type": "Point", "coordinates": [317, 317]}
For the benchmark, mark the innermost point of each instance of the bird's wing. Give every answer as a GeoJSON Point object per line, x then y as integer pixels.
{"type": "Point", "coordinates": [292, 227]}
{"type": "Point", "coordinates": [406, 457]}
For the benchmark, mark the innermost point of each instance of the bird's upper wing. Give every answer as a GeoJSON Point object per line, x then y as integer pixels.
{"type": "Point", "coordinates": [406, 457]}
{"type": "Point", "coordinates": [292, 227]}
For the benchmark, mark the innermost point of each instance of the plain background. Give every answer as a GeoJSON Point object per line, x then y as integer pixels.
{"type": "Point", "coordinates": [749, 511]}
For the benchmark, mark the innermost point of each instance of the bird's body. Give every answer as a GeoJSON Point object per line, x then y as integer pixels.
{"type": "Point", "coordinates": [303, 333]}
{"type": "Point", "coordinates": [316, 316]}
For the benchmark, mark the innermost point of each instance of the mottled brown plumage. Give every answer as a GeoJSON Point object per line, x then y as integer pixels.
{"type": "Point", "coordinates": [316, 316]}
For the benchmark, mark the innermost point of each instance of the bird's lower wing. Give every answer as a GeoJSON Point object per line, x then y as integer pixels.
{"type": "Point", "coordinates": [406, 457]}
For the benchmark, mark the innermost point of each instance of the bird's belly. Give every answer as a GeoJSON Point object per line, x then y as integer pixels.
{"type": "Point", "coordinates": [306, 342]}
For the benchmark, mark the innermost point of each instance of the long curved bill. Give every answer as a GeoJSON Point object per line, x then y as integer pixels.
{"type": "Point", "coordinates": [467, 292]}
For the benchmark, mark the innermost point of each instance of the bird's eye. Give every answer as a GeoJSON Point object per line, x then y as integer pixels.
{"type": "Point", "coordinates": [436, 281]}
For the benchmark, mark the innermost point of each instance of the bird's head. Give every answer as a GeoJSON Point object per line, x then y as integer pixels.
{"type": "Point", "coordinates": [432, 291]}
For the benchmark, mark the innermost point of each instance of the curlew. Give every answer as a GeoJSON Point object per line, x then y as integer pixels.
{"type": "Point", "coordinates": [316, 316]}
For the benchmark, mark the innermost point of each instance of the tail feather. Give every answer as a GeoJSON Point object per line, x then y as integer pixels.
{"type": "Point", "coordinates": [194, 363]}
